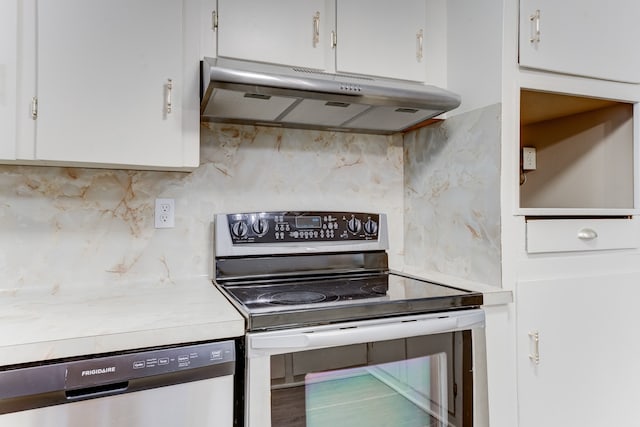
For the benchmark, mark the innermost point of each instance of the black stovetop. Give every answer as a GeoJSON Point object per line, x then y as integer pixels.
{"type": "Point", "coordinates": [296, 303]}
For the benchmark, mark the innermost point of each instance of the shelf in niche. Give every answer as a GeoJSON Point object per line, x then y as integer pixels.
{"type": "Point", "coordinates": [537, 106]}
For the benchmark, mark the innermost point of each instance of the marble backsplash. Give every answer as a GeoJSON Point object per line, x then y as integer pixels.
{"type": "Point", "coordinates": [452, 197]}
{"type": "Point", "coordinates": [68, 227]}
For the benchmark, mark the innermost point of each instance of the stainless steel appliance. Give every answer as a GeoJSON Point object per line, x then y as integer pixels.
{"type": "Point", "coordinates": [189, 385]}
{"type": "Point", "coordinates": [238, 91]}
{"type": "Point", "coordinates": [335, 338]}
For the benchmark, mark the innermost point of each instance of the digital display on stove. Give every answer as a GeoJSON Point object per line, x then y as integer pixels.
{"type": "Point", "coordinates": [308, 222]}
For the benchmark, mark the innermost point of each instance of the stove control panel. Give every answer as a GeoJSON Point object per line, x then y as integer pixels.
{"type": "Point", "coordinates": [280, 227]}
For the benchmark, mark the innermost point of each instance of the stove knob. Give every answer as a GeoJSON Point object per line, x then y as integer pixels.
{"type": "Point", "coordinates": [239, 230]}
{"type": "Point", "coordinates": [260, 227]}
{"type": "Point", "coordinates": [370, 227]}
{"type": "Point", "coordinates": [354, 225]}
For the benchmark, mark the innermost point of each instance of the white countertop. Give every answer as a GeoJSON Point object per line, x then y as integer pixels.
{"type": "Point", "coordinates": [36, 325]}
{"type": "Point", "coordinates": [491, 295]}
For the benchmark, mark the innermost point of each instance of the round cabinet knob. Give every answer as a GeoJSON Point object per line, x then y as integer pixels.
{"type": "Point", "coordinates": [239, 229]}
{"type": "Point", "coordinates": [354, 225]}
{"type": "Point", "coordinates": [370, 227]}
{"type": "Point", "coordinates": [260, 227]}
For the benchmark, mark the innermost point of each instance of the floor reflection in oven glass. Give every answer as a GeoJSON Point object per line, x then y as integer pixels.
{"type": "Point", "coordinates": [359, 401]}
{"type": "Point", "coordinates": [288, 407]}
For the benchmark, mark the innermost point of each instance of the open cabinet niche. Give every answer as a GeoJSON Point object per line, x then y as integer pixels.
{"type": "Point", "coordinates": [584, 152]}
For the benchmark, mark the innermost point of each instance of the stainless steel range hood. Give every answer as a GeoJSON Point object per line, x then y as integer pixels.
{"type": "Point", "coordinates": [237, 91]}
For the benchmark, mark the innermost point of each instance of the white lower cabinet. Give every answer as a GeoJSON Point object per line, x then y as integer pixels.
{"type": "Point", "coordinates": [116, 83]}
{"type": "Point", "coordinates": [577, 351]}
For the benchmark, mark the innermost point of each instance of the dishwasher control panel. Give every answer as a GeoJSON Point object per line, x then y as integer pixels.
{"type": "Point", "coordinates": [124, 367]}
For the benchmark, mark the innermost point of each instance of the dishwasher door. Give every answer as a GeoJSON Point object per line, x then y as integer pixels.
{"type": "Point", "coordinates": [178, 386]}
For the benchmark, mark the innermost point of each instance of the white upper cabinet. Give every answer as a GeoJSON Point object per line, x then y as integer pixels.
{"type": "Point", "coordinates": [8, 64]}
{"type": "Point", "coordinates": [368, 37]}
{"type": "Point", "coordinates": [116, 84]}
{"type": "Point", "coordinates": [382, 38]}
{"type": "Point", "coordinates": [588, 38]}
{"type": "Point", "coordinates": [289, 32]}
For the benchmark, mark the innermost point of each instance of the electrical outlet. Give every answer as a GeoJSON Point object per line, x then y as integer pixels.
{"type": "Point", "coordinates": [165, 213]}
{"type": "Point", "coordinates": [528, 158]}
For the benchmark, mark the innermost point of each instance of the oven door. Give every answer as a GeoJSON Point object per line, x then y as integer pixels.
{"type": "Point", "coordinates": [402, 371]}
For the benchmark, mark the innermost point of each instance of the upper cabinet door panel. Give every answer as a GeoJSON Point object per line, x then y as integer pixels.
{"type": "Point", "coordinates": [103, 82]}
{"type": "Point", "coordinates": [588, 38]}
{"type": "Point", "coordinates": [8, 64]}
{"type": "Point", "coordinates": [382, 38]}
{"type": "Point", "coordinates": [290, 32]}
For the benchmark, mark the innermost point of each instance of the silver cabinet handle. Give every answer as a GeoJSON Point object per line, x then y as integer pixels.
{"type": "Point", "coordinates": [316, 29]}
{"type": "Point", "coordinates": [169, 90]}
{"type": "Point", "coordinates": [34, 107]}
{"type": "Point", "coordinates": [535, 356]}
{"type": "Point", "coordinates": [334, 40]}
{"type": "Point", "coordinates": [535, 21]}
{"type": "Point", "coordinates": [419, 44]}
{"type": "Point", "coordinates": [587, 234]}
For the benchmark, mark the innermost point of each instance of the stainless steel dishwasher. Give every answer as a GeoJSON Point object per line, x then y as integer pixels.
{"type": "Point", "coordinates": [176, 386]}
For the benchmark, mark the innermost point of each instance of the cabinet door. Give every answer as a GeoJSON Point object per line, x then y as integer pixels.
{"type": "Point", "coordinates": [8, 64]}
{"type": "Point", "coordinates": [289, 32]}
{"type": "Point", "coordinates": [582, 37]}
{"type": "Point", "coordinates": [587, 373]}
{"type": "Point", "coordinates": [107, 72]}
{"type": "Point", "coordinates": [208, 32]}
{"type": "Point", "coordinates": [380, 38]}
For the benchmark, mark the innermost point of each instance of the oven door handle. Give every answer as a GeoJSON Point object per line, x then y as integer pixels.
{"type": "Point", "coordinates": [355, 335]}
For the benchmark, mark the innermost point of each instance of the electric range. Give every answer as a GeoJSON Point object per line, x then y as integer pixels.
{"type": "Point", "coordinates": [294, 269]}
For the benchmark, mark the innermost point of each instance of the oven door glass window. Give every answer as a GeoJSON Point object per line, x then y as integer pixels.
{"type": "Point", "coordinates": [413, 382]}
{"type": "Point", "coordinates": [390, 394]}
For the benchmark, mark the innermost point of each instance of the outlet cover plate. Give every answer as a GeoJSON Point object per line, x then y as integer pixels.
{"type": "Point", "coordinates": [528, 158]}
{"type": "Point", "coordinates": [165, 213]}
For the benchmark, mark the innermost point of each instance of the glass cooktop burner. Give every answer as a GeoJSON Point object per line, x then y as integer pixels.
{"type": "Point", "coordinates": [325, 292]}
{"type": "Point", "coordinates": [269, 305]}
{"type": "Point", "coordinates": [295, 297]}
{"type": "Point", "coordinates": [379, 289]}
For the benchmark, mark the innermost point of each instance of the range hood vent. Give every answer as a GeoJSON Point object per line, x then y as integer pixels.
{"type": "Point", "coordinates": [245, 92]}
